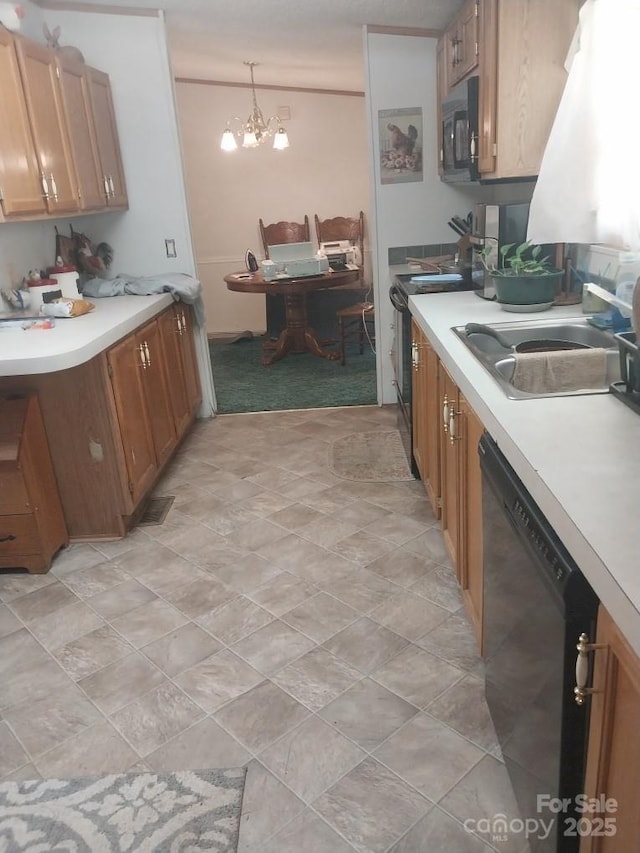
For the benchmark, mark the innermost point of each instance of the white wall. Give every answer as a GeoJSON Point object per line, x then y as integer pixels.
{"type": "Point", "coordinates": [324, 171]}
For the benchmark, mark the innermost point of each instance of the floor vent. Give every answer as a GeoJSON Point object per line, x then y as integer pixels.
{"type": "Point", "coordinates": [156, 511]}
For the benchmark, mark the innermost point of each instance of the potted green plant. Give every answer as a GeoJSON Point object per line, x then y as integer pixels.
{"type": "Point", "coordinates": [523, 277]}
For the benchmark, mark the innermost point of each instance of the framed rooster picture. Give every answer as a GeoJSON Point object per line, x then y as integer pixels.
{"type": "Point", "coordinates": [400, 145]}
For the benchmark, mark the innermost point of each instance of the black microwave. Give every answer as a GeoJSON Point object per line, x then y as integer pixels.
{"type": "Point", "coordinates": [459, 153]}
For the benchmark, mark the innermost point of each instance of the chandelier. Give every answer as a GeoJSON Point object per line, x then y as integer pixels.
{"type": "Point", "coordinates": [255, 130]}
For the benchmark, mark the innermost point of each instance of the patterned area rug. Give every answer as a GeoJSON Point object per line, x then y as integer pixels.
{"type": "Point", "coordinates": [137, 812]}
{"type": "Point", "coordinates": [371, 457]}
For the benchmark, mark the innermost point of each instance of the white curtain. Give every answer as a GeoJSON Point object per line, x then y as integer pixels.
{"type": "Point", "coordinates": [588, 190]}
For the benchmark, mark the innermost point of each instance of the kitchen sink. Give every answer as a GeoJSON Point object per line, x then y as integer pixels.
{"type": "Point", "coordinates": [500, 361]}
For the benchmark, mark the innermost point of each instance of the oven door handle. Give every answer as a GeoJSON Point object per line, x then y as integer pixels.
{"type": "Point", "coordinates": [397, 300]}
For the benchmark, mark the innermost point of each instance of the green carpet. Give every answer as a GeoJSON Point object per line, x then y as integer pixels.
{"type": "Point", "coordinates": [301, 381]}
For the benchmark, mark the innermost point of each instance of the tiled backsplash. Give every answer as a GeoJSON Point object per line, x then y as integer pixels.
{"type": "Point", "coordinates": [399, 254]}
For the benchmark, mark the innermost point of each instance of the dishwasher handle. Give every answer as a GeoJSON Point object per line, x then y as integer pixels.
{"type": "Point", "coordinates": [581, 691]}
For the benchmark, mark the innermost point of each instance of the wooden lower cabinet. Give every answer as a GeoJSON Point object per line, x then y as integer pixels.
{"type": "Point", "coordinates": [446, 432]}
{"type": "Point", "coordinates": [425, 414]}
{"type": "Point", "coordinates": [32, 526]}
{"type": "Point", "coordinates": [176, 325]}
{"type": "Point", "coordinates": [613, 752]}
{"type": "Point", "coordinates": [112, 425]}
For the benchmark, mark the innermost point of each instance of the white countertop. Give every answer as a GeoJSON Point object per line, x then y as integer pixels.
{"type": "Point", "coordinates": [75, 340]}
{"type": "Point", "coordinates": [578, 456]}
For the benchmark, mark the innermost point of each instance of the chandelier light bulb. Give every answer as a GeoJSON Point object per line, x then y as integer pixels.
{"type": "Point", "coordinates": [255, 130]}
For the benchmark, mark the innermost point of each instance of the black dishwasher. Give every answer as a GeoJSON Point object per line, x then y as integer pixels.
{"type": "Point", "coordinates": [537, 603]}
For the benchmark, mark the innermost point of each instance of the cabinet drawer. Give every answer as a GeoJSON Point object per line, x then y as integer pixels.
{"type": "Point", "coordinates": [14, 499]}
{"type": "Point", "coordinates": [18, 535]}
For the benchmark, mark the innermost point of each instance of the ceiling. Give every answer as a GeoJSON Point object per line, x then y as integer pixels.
{"type": "Point", "coordinates": [302, 43]}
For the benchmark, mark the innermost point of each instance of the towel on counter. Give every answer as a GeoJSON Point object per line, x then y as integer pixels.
{"type": "Point", "coordinates": [560, 370]}
{"type": "Point", "coordinates": [182, 287]}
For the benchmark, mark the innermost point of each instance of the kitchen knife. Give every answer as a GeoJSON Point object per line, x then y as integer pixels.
{"type": "Point", "coordinates": [461, 223]}
{"type": "Point", "coordinates": [456, 228]}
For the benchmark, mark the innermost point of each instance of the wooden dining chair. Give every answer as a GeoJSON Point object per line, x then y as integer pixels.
{"type": "Point", "coordinates": [357, 320]}
{"type": "Point", "coordinates": [284, 232]}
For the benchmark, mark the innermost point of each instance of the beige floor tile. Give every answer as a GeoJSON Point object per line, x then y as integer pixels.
{"type": "Point", "coordinates": [181, 649]}
{"type": "Point", "coordinates": [454, 641]}
{"type": "Point", "coordinates": [253, 535]}
{"type": "Point", "coordinates": [396, 528]}
{"type": "Point", "coordinates": [401, 566]}
{"type": "Point", "coordinates": [409, 615]}
{"type": "Point", "coordinates": [362, 547]}
{"type": "Point", "coordinates": [368, 713]}
{"type": "Point", "coordinates": [27, 672]}
{"type": "Point", "coordinates": [271, 648]}
{"type": "Point", "coordinates": [65, 625]}
{"type": "Point", "coordinates": [122, 682]}
{"type": "Point", "coordinates": [145, 557]}
{"type": "Point", "coordinates": [365, 645]}
{"type": "Point", "coordinates": [43, 602]}
{"type": "Point", "coordinates": [267, 805]}
{"type": "Point", "coordinates": [282, 593]}
{"type": "Point", "coordinates": [201, 545]}
{"type": "Point", "coordinates": [171, 577]}
{"type": "Point", "coordinates": [484, 792]}
{"type": "Point", "coordinates": [156, 717]}
{"type": "Point", "coordinates": [235, 620]}
{"type": "Point", "coordinates": [440, 586]}
{"type": "Point", "coordinates": [428, 755]}
{"type": "Point", "coordinates": [8, 622]}
{"type": "Point", "coordinates": [261, 716]}
{"type": "Point", "coordinates": [43, 724]}
{"type": "Point", "coordinates": [199, 504]}
{"type": "Point", "coordinates": [95, 579]}
{"type": "Point", "coordinates": [74, 557]}
{"type": "Point", "coordinates": [463, 707]}
{"type": "Point", "coordinates": [109, 550]}
{"type": "Point", "coordinates": [308, 833]}
{"type": "Point", "coordinates": [363, 590]}
{"type": "Point", "coordinates": [371, 807]}
{"type": "Point", "coordinates": [201, 596]}
{"type": "Point", "coordinates": [265, 503]}
{"type": "Point", "coordinates": [92, 652]}
{"type": "Point", "coordinates": [149, 622]}
{"type": "Point", "coordinates": [321, 617]}
{"type": "Point", "coordinates": [204, 745]}
{"type": "Point", "coordinates": [248, 573]}
{"type": "Point", "coordinates": [317, 678]}
{"type": "Point", "coordinates": [327, 530]}
{"type": "Point", "coordinates": [121, 599]}
{"type": "Point", "coordinates": [429, 544]}
{"type": "Point", "coordinates": [12, 754]}
{"type": "Point", "coordinates": [311, 757]}
{"type": "Point", "coordinates": [417, 676]}
{"type": "Point", "coordinates": [218, 679]}
{"type": "Point", "coordinates": [97, 751]}
{"type": "Point", "coordinates": [437, 831]}
{"type": "Point", "coordinates": [295, 516]}
{"type": "Point", "coordinates": [26, 773]}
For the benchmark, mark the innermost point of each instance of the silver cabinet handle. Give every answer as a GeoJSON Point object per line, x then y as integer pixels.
{"type": "Point", "coordinates": [111, 187]}
{"type": "Point", "coordinates": [45, 186]}
{"type": "Point", "coordinates": [147, 354]}
{"type": "Point", "coordinates": [143, 357]}
{"type": "Point", "coordinates": [445, 413]}
{"type": "Point", "coordinates": [54, 188]}
{"type": "Point", "coordinates": [581, 691]}
{"type": "Point", "coordinates": [105, 184]}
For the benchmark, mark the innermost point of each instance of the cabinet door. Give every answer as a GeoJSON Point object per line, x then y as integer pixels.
{"type": "Point", "coordinates": [461, 43]}
{"type": "Point", "coordinates": [46, 116]}
{"type": "Point", "coordinates": [471, 574]}
{"type": "Point", "coordinates": [107, 138]}
{"type": "Point", "coordinates": [450, 466]}
{"type": "Point", "coordinates": [155, 389]}
{"type": "Point", "coordinates": [434, 416]}
{"type": "Point", "coordinates": [184, 384]}
{"type": "Point", "coordinates": [20, 187]}
{"type": "Point", "coordinates": [488, 84]}
{"type": "Point", "coordinates": [442, 88]}
{"type": "Point", "coordinates": [77, 108]}
{"type": "Point", "coordinates": [127, 367]}
{"type": "Point", "coordinates": [418, 406]}
{"type": "Point", "coordinates": [613, 752]}
{"type": "Point", "coordinates": [189, 360]}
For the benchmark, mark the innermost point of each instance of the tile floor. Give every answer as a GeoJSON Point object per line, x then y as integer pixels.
{"type": "Point", "coordinates": [307, 626]}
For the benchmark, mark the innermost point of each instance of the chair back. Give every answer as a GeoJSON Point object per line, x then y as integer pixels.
{"type": "Point", "coordinates": [342, 228]}
{"type": "Point", "coordinates": [284, 232]}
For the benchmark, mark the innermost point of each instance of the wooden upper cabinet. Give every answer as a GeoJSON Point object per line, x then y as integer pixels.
{"type": "Point", "coordinates": [20, 187]}
{"type": "Point", "coordinates": [107, 139]}
{"type": "Point", "coordinates": [76, 102]}
{"type": "Point", "coordinates": [523, 47]}
{"type": "Point", "coordinates": [461, 43]}
{"type": "Point", "coordinates": [44, 106]}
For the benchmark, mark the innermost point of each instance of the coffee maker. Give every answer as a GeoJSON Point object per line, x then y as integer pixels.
{"type": "Point", "coordinates": [495, 225]}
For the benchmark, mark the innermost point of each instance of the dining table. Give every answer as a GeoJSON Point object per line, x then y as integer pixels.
{"type": "Point", "coordinates": [297, 336]}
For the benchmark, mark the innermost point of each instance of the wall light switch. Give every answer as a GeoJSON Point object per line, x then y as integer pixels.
{"type": "Point", "coordinates": [170, 248]}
